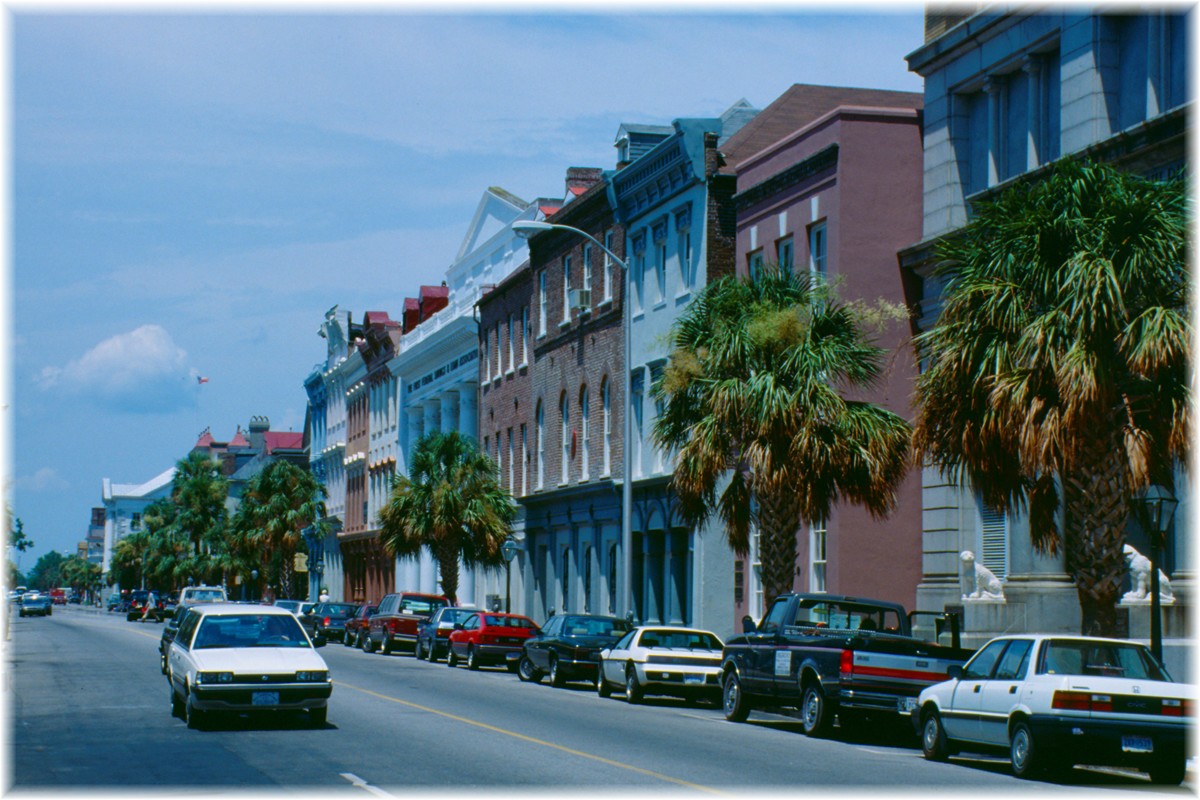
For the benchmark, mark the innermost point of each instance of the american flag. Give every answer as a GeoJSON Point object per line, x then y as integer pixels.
{"type": "Point", "coordinates": [201, 379]}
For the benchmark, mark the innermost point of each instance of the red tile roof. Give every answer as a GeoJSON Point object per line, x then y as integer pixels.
{"type": "Point", "coordinates": [239, 440]}
{"type": "Point", "coordinates": [548, 210]}
{"type": "Point", "coordinates": [205, 440]}
{"type": "Point", "coordinates": [287, 440]}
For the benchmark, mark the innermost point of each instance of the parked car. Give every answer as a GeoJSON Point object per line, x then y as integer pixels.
{"type": "Point", "coordinates": [138, 611]}
{"type": "Point", "coordinates": [243, 658]}
{"type": "Point", "coordinates": [681, 662]}
{"type": "Point", "coordinates": [170, 630]}
{"type": "Point", "coordinates": [488, 638]}
{"type": "Point", "coordinates": [1055, 701]}
{"type": "Point", "coordinates": [331, 619]}
{"type": "Point", "coordinates": [114, 601]}
{"type": "Point", "coordinates": [36, 604]}
{"type": "Point", "coordinates": [394, 625]}
{"type": "Point", "coordinates": [356, 626]}
{"type": "Point", "coordinates": [830, 656]}
{"type": "Point", "coordinates": [302, 610]}
{"type": "Point", "coordinates": [433, 634]}
{"type": "Point", "coordinates": [568, 648]}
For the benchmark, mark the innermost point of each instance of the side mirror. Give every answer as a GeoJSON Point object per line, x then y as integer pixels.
{"type": "Point", "coordinates": [954, 671]}
{"type": "Point", "coordinates": [748, 624]}
{"type": "Point", "coordinates": [458, 626]}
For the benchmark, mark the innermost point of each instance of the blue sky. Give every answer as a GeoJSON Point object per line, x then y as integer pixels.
{"type": "Point", "coordinates": [191, 192]}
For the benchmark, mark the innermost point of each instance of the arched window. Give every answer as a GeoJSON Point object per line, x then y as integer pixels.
{"type": "Point", "coordinates": [566, 437]}
{"type": "Point", "coordinates": [541, 445]}
{"type": "Point", "coordinates": [584, 450]}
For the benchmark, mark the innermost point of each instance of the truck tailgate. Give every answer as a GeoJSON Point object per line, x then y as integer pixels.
{"type": "Point", "coordinates": [899, 673]}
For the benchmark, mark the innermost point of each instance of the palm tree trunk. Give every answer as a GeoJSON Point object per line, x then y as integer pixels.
{"type": "Point", "coordinates": [286, 572]}
{"type": "Point", "coordinates": [1096, 505]}
{"type": "Point", "coordinates": [447, 558]}
{"type": "Point", "coordinates": [778, 520]}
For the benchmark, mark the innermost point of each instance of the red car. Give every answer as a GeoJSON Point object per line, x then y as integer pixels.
{"type": "Point", "coordinates": [356, 626]}
{"type": "Point", "coordinates": [487, 638]}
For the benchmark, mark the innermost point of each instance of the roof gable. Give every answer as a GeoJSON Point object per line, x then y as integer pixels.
{"type": "Point", "coordinates": [497, 209]}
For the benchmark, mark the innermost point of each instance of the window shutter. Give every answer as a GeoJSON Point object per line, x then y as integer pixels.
{"type": "Point", "coordinates": [993, 538]}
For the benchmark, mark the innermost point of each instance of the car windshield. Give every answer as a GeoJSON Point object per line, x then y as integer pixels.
{"type": "Point", "coordinates": [494, 621]}
{"type": "Point", "coordinates": [249, 630]}
{"type": "Point", "coordinates": [339, 610]}
{"type": "Point", "coordinates": [846, 616]}
{"type": "Point", "coordinates": [206, 596]}
{"type": "Point", "coordinates": [457, 614]}
{"type": "Point", "coordinates": [593, 626]}
{"type": "Point", "coordinates": [685, 640]}
{"type": "Point", "coordinates": [1106, 659]}
{"type": "Point", "coordinates": [421, 606]}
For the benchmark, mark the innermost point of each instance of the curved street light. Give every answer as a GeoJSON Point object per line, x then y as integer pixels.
{"type": "Point", "coordinates": [528, 228]}
{"type": "Point", "coordinates": [1156, 506]}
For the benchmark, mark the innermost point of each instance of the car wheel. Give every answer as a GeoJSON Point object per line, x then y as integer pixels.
{"type": "Point", "coordinates": [815, 716]}
{"type": "Point", "coordinates": [472, 659]}
{"type": "Point", "coordinates": [633, 689]}
{"type": "Point", "coordinates": [1023, 752]}
{"type": "Point", "coordinates": [527, 672]}
{"type": "Point", "coordinates": [386, 647]}
{"type": "Point", "coordinates": [557, 679]}
{"type": "Point", "coordinates": [1168, 771]}
{"type": "Point", "coordinates": [451, 657]}
{"type": "Point", "coordinates": [934, 744]}
{"type": "Point", "coordinates": [364, 642]}
{"type": "Point", "coordinates": [177, 709]}
{"type": "Point", "coordinates": [196, 718]}
{"type": "Point", "coordinates": [602, 687]}
{"type": "Point", "coordinates": [432, 656]}
{"type": "Point", "coordinates": [733, 700]}
{"type": "Point", "coordinates": [317, 716]}
{"type": "Point", "coordinates": [162, 664]}
{"type": "Point", "coordinates": [348, 640]}
{"type": "Point", "coordinates": [418, 652]}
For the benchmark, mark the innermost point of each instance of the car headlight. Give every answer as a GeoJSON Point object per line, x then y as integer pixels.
{"type": "Point", "coordinates": [214, 677]}
{"type": "Point", "coordinates": [312, 676]}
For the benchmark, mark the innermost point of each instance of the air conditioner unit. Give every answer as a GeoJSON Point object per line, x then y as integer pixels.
{"type": "Point", "coordinates": [581, 299]}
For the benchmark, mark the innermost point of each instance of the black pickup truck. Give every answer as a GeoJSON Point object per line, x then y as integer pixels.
{"type": "Point", "coordinates": [830, 656]}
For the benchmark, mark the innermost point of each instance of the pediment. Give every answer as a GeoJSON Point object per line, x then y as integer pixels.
{"type": "Point", "coordinates": [497, 210]}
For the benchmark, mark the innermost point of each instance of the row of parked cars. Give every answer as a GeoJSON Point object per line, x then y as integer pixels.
{"type": "Point", "coordinates": [1048, 702]}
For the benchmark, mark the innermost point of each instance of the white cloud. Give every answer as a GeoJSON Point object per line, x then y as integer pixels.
{"type": "Point", "coordinates": [44, 480]}
{"type": "Point", "coordinates": [143, 370]}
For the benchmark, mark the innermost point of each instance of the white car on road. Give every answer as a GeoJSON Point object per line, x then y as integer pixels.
{"type": "Point", "coordinates": [240, 658]}
{"type": "Point", "coordinates": [1053, 702]}
{"type": "Point", "coordinates": [683, 662]}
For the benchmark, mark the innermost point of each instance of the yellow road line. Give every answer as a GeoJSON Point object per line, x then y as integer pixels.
{"type": "Point", "coordinates": [532, 740]}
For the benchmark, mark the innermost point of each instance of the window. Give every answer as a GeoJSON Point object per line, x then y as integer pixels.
{"type": "Point", "coordinates": [606, 402]}
{"type": "Point", "coordinates": [992, 548]}
{"type": "Point", "coordinates": [639, 271]}
{"type": "Point", "coordinates": [817, 558]}
{"type": "Point", "coordinates": [499, 462]}
{"type": "Point", "coordinates": [980, 667]}
{"type": "Point", "coordinates": [584, 450]}
{"type": "Point", "coordinates": [773, 622]}
{"type": "Point", "coordinates": [540, 433]}
{"type": "Point", "coordinates": [566, 437]}
{"type": "Point", "coordinates": [566, 292]}
{"type": "Point", "coordinates": [1015, 661]}
{"type": "Point", "coordinates": [587, 274]}
{"type": "Point", "coordinates": [487, 357]}
{"type": "Point", "coordinates": [512, 486]}
{"type": "Point", "coordinates": [660, 268]}
{"type": "Point", "coordinates": [135, 521]}
{"type": "Point", "coordinates": [542, 303]}
{"type": "Point", "coordinates": [660, 407]}
{"type": "Point", "coordinates": [683, 243]}
{"type": "Point", "coordinates": [754, 264]}
{"type": "Point", "coordinates": [608, 266]}
{"type": "Point", "coordinates": [499, 352]}
{"type": "Point", "coordinates": [524, 335]}
{"type": "Point", "coordinates": [784, 252]}
{"type": "Point", "coordinates": [524, 462]}
{"type": "Point", "coordinates": [636, 409]}
{"type": "Point", "coordinates": [512, 361]}
{"type": "Point", "coordinates": [816, 249]}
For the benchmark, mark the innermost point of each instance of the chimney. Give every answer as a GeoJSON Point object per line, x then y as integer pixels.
{"type": "Point", "coordinates": [580, 179]}
{"type": "Point", "coordinates": [258, 426]}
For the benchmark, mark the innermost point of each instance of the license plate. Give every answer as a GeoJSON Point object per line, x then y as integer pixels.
{"type": "Point", "coordinates": [906, 705]}
{"type": "Point", "coordinates": [693, 679]}
{"type": "Point", "coordinates": [1137, 744]}
{"type": "Point", "coordinates": [264, 699]}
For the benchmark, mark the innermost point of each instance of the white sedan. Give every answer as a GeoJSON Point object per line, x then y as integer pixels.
{"type": "Point", "coordinates": [682, 662]}
{"type": "Point", "coordinates": [1053, 702]}
{"type": "Point", "coordinates": [233, 657]}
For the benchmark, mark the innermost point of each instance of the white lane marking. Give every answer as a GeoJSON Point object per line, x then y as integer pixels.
{"type": "Point", "coordinates": [361, 784]}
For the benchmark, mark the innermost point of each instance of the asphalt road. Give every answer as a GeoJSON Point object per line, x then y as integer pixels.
{"type": "Point", "coordinates": [89, 710]}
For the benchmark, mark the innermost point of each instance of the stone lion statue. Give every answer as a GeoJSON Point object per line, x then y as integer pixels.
{"type": "Point", "coordinates": [1139, 574]}
{"type": "Point", "coordinates": [979, 582]}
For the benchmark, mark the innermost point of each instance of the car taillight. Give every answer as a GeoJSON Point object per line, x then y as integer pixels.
{"type": "Point", "coordinates": [1176, 708]}
{"type": "Point", "coordinates": [326, 622]}
{"type": "Point", "coordinates": [1076, 701]}
{"type": "Point", "coordinates": [1101, 702]}
{"type": "Point", "coordinates": [846, 667]}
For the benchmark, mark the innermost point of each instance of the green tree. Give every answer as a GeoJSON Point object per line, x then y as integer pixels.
{"type": "Point", "coordinates": [451, 502]}
{"type": "Point", "coordinates": [198, 491]}
{"type": "Point", "coordinates": [47, 572]}
{"type": "Point", "coordinates": [129, 559]}
{"type": "Point", "coordinates": [277, 505]}
{"type": "Point", "coordinates": [80, 574]}
{"type": "Point", "coordinates": [757, 391]}
{"type": "Point", "coordinates": [1057, 373]}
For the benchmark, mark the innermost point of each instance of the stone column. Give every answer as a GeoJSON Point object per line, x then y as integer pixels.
{"type": "Point", "coordinates": [1035, 140]}
{"type": "Point", "coordinates": [416, 428]}
{"type": "Point", "coordinates": [992, 87]}
{"type": "Point", "coordinates": [449, 410]}
{"type": "Point", "coordinates": [468, 405]}
{"type": "Point", "coordinates": [432, 420]}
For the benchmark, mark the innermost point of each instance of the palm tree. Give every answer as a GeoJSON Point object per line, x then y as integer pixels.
{"type": "Point", "coordinates": [277, 505]}
{"type": "Point", "coordinates": [756, 391]}
{"type": "Point", "coordinates": [199, 490]}
{"type": "Point", "coordinates": [450, 502]}
{"type": "Point", "coordinates": [1059, 362]}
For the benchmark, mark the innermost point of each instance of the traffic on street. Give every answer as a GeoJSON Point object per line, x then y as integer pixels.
{"type": "Point", "coordinates": [91, 710]}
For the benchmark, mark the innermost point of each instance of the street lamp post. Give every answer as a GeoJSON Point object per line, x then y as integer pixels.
{"type": "Point", "coordinates": [509, 551]}
{"type": "Point", "coordinates": [527, 228]}
{"type": "Point", "coordinates": [1157, 507]}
